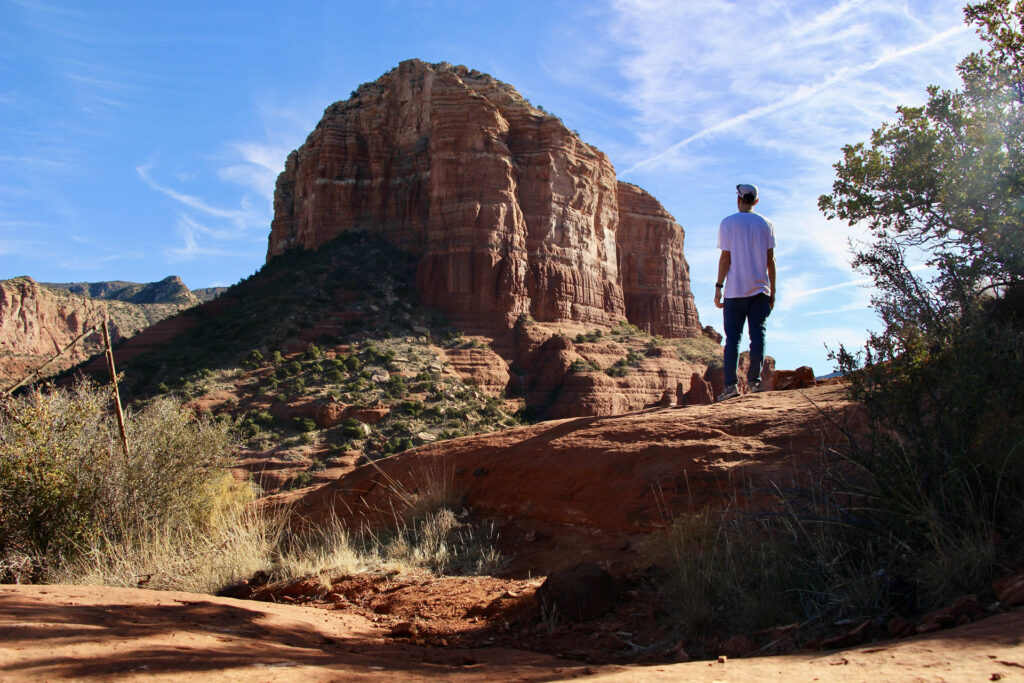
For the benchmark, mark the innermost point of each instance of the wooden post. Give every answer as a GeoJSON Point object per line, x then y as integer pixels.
{"type": "Point", "coordinates": [113, 383]}
{"type": "Point", "coordinates": [35, 373]}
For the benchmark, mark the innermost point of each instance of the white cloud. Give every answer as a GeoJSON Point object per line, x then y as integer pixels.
{"type": "Point", "coordinates": [190, 231]}
{"type": "Point", "coordinates": [259, 167]}
{"type": "Point", "coordinates": [240, 217]}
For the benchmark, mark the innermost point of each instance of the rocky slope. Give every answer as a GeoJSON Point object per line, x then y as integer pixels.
{"type": "Point", "coordinates": [507, 212]}
{"type": "Point", "coordinates": [598, 485]}
{"type": "Point", "coordinates": [37, 320]}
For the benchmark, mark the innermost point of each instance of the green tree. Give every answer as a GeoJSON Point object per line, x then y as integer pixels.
{"type": "Point", "coordinates": [943, 383]}
{"type": "Point", "coordinates": [945, 181]}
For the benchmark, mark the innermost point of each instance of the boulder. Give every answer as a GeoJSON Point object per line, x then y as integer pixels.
{"type": "Point", "coordinates": [581, 593]}
{"type": "Point", "coordinates": [801, 378]}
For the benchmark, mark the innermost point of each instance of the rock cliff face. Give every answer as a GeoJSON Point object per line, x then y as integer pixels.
{"type": "Point", "coordinates": [508, 212]}
{"type": "Point", "coordinates": [654, 272]}
{"type": "Point", "coordinates": [37, 321]}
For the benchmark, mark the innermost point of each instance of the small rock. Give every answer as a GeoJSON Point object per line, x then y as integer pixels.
{"type": "Point", "coordinates": [426, 437]}
{"type": "Point", "coordinates": [403, 629]}
{"type": "Point", "coordinates": [579, 594]}
{"type": "Point", "coordinates": [1010, 589]}
{"type": "Point", "coordinates": [859, 634]}
{"type": "Point", "coordinates": [949, 616]}
{"type": "Point", "coordinates": [898, 627]}
{"type": "Point", "coordinates": [722, 659]}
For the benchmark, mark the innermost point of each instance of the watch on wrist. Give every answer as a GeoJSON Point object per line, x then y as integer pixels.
{"type": "Point", "coordinates": [718, 285]}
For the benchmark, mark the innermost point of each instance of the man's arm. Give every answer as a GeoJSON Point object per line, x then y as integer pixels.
{"type": "Point", "coordinates": [724, 261]}
{"type": "Point", "coordinates": [771, 276]}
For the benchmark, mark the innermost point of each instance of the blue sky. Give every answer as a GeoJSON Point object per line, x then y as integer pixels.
{"type": "Point", "coordinates": [140, 140]}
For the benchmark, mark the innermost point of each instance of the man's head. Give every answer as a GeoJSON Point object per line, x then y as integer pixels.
{"type": "Point", "coordinates": [746, 196]}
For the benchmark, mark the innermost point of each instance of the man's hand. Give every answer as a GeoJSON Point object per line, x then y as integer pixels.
{"type": "Point", "coordinates": [771, 302]}
{"type": "Point", "coordinates": [718, 297]}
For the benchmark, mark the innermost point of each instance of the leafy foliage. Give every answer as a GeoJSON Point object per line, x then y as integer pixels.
{"type": "Point", "coordinates": [945, 181]}
{"type": "Point", "coordinates": [943, 383]}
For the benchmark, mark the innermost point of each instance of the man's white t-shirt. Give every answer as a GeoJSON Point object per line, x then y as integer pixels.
{"type": "Point", "coordinates": [747, 236]}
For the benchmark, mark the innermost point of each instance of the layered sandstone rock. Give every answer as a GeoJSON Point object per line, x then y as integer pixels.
{"type": "Point", "coordinates": [508, 212]}
{"type": "Point", "coordinates": [654, 272]}
{"type": "Point", "coordinates": [37, 322]}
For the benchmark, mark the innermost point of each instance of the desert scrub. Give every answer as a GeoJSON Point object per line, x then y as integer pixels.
{"type": "Point", "coordinates": [727, 572]}
{"type": "Point", "coordinates": [67, 488]}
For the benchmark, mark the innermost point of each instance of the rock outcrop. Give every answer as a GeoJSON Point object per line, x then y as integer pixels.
{"type": "Point", "coordinates": [606, 480]}
{"type": "Point", "coordinates": [508, 212]}
{"type": "Point", "coordinates": [37, 322]}
{"type": "Point", "coordinates": [654, 272]}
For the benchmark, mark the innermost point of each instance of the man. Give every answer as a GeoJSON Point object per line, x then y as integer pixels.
{"type": "Point", "coordinates": [746, 272]}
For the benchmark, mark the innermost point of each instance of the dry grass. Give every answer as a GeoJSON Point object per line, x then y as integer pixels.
{"type": "Point", "coordinates": [726, 571]}
{"type": "Point", "coordinates": [199, 558]}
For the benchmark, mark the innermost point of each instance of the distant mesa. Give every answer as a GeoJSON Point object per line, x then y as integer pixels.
{"type": "Point", "coordinates": [169, 290]}
{"type": "Point", "coordinates": [507, 211]}
{"type": "Point", "coordinates": [37, 320]}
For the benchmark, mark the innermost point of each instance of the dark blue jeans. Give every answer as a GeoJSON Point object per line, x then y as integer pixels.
{"type": "Point", "coordinates": [754, 311]}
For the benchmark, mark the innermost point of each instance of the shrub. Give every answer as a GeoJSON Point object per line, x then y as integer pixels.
{"type": "Point", "coordinates": [412, 408]}
{"type": "Point", "coordinates": [725, 572]}
{"type": "Point", "coordinates": [65, 484]}
{"type": "Point", "coordinates": [942, 383]}
{"type": "Point", "coordinates": [253, 359]}
{"type": "Point", "coordinates": [396, 387]}
{"type": "Point", "coordinates": [353, 429]}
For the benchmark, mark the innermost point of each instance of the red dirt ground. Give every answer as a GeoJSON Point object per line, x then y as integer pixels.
{"type": "Point", "coordinates": [88, 633]}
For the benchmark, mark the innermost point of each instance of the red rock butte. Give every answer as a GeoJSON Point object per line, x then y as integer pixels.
{"type": "Point", "coordinates": [508, 212]}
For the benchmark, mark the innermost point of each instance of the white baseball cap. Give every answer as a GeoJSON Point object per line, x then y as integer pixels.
{"type": "Point", "coordinates": [747, 192]}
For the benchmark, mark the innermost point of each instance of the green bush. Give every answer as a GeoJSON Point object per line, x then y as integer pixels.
{"type": "Point", "coordinates": [396, 387]}
{"type": "Point", "coordinates": [413, 408]}
{"type": "Point", "coordinates": [353, 429]}
{"type": "Point", "coordinates": [253, 359]}
{"type": "Point", "coordinates": [65, 483]}
{"type": "Point", "coordinates": [943, 383]}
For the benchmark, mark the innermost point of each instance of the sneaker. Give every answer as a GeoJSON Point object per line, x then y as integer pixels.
{"type": "Point", "coordinates": [757, 387]}
{"type": "Point", "coordinates": [730, 392]}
